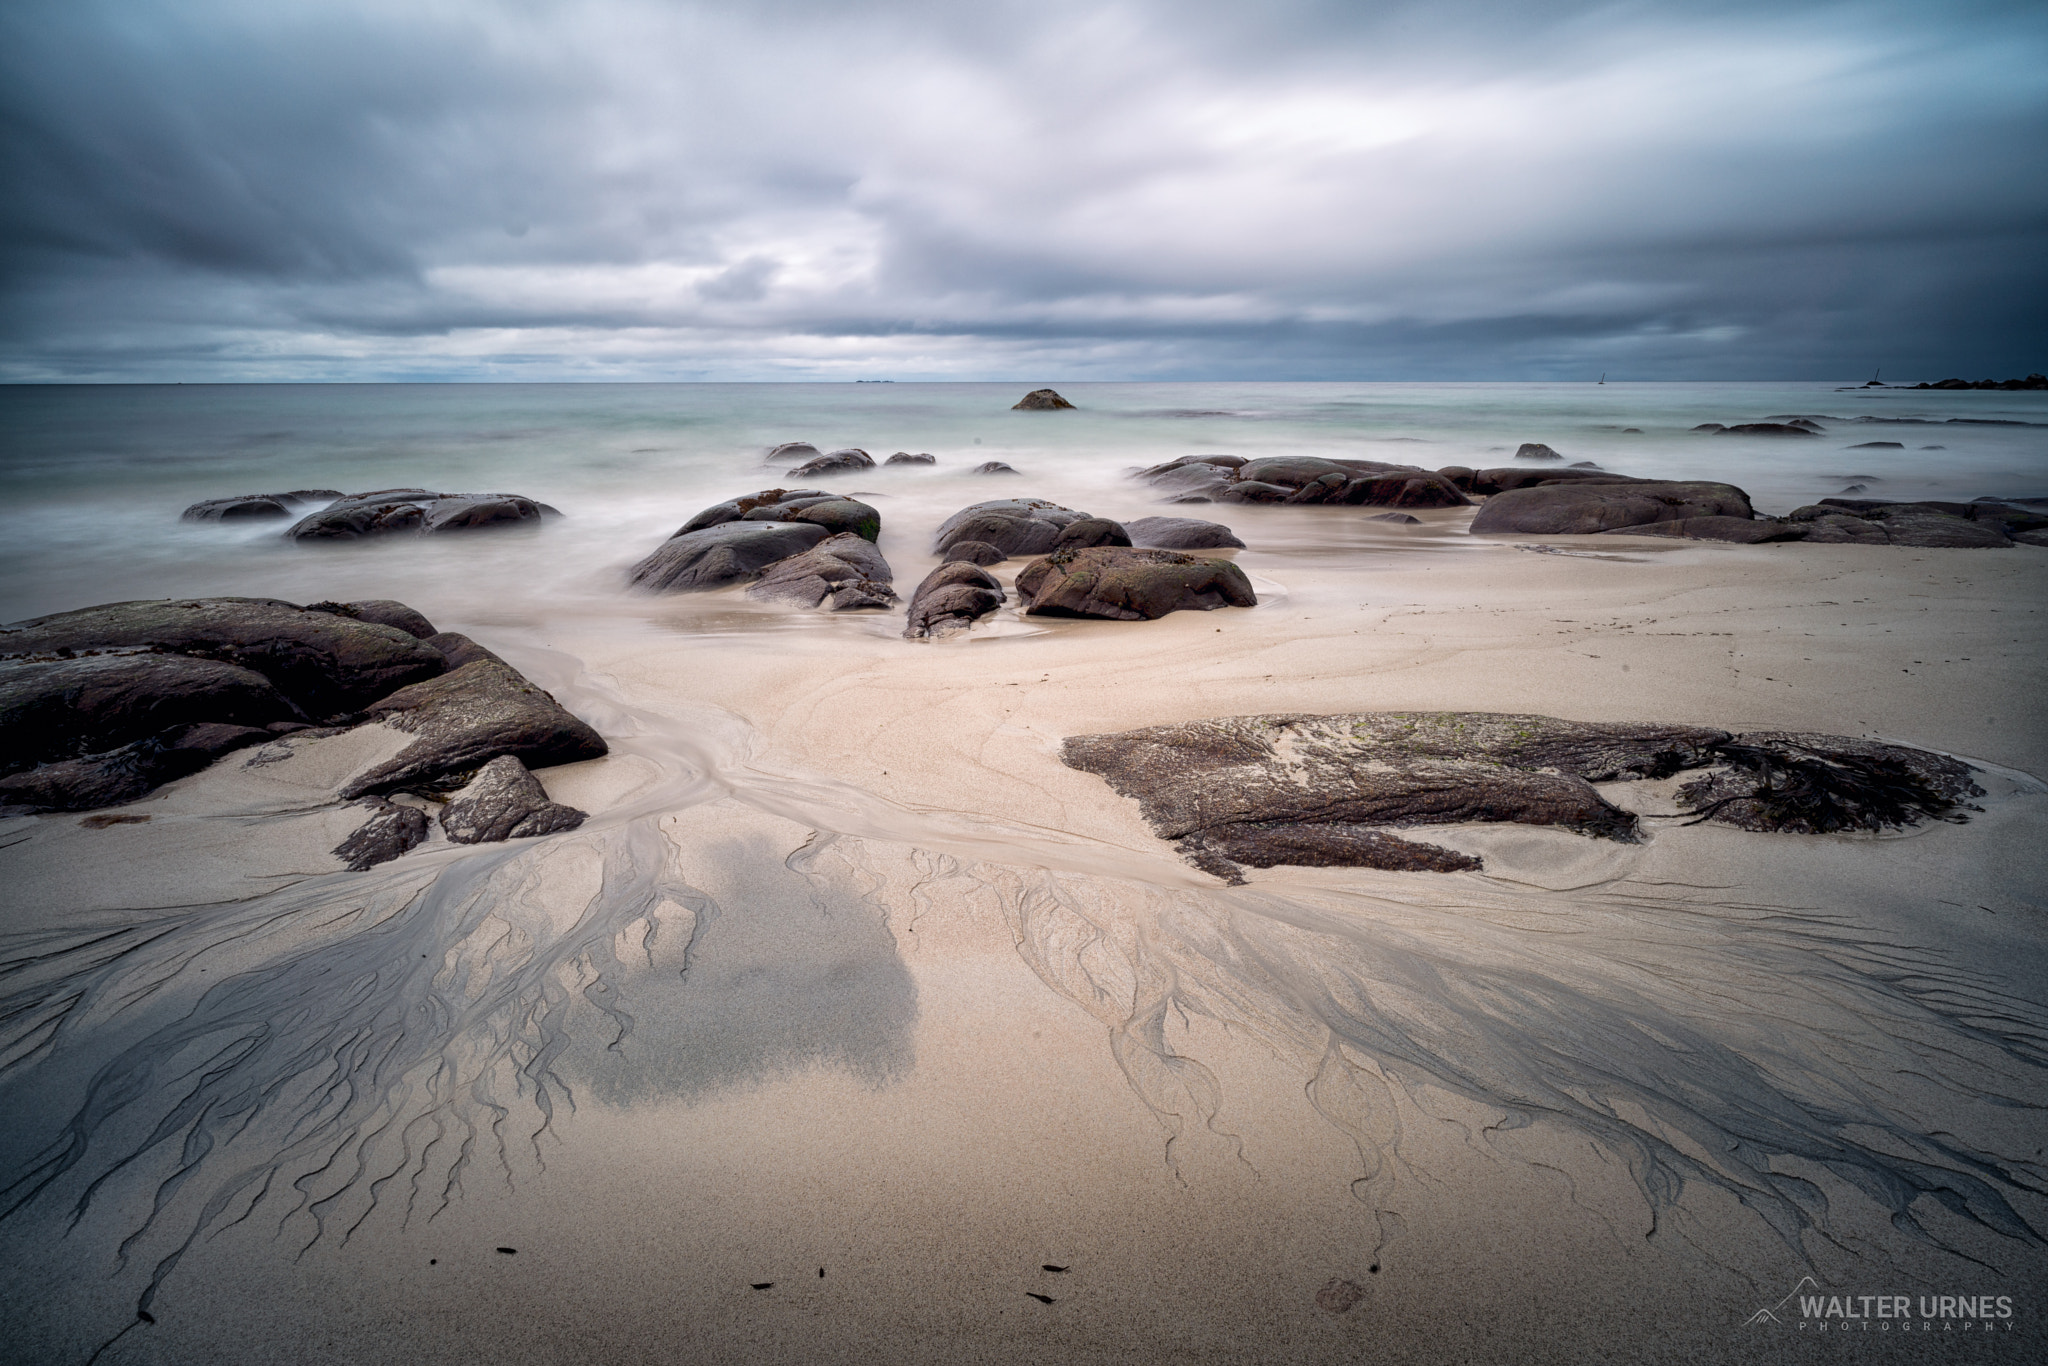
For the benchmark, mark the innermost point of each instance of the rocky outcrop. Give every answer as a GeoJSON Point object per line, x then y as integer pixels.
{"type": "Point", "coordinates": [1015, 526]}
{"type": "Point", "coordinates": [1503, 478]}
{"type": "Point", "coordinates": [715, 556]}
{"type": "Point", "coordinates": [390, 831]}
{"type": "Point", "coordinates": [843, 572]}
{"type": "Point", "coordinates": [906, 458]}
{"type": "Point", "coordinates": [416, 510]}
{"type": "Point", "coordinates": [1039, 401]}
{"type": "Point", "coordinates": [1180, 533]}
{"type": "Point", "coordinates": [504, 801]}
{"type": "Point", "coordinates": [834, 462]}
{"type": "Point", "coordinates": [1331, 790]}
{"type": "Point", "coordinates": [2033, 381]}
{"type": "Point", "coordinates": [466, 718]}
{"type": "Point", "coordinates": [1584, 507]}
{"type": "Point", "coordinates": [1303, 479]}
{"type": "Point", "coordinates": [1123, 584]}
{"type": "Point", "coordinates": [325, 663]}
{"type": "Point", "coordinates": [1941, 526]}
{"type": "Point", "coordinates": [257, 506]}
{"type": "Point", "coordinates": [952, 597]}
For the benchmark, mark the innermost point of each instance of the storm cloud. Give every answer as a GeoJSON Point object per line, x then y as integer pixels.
{"type": "Point", "coordinates": [622, 189]}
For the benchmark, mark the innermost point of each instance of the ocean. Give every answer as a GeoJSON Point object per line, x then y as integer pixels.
{"type": "Point", "coordinates": [92, 478]}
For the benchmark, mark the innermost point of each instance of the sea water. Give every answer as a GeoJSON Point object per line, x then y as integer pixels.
{"type": "Point", "coordinates": [93, 478]}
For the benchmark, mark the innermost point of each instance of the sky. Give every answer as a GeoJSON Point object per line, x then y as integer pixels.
{"type": "Point", "coordinates": [266, 190]}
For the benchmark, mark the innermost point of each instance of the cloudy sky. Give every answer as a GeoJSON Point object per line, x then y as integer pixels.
{"type": "Point", "coordinates": [1188, 189]}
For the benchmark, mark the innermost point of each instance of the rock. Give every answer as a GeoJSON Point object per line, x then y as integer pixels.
{"type": "Point", "coordinates": [417, 510]}
{"type": "Point", "coordinates": [1091, 531]}
{"type": "Point", "coordinates": [502, 802]}
{"type": "Point", "coordinates": [1459, 475]}
{"type": "Point", "coordinates": [906, 458]}
{"type": "Point", "coordinates": [1939, 531]}
{"type": "Point", "coordinates": [714, 556]}
{"type": "Point", "coordinates": [249, 507]}
{"type": "Point", "coordinates": [974, 552]}
{"type": "Point", "coordinates": [1626, 431]}
{"type": "Point", "coordinates": [1015, 526]}
{"type": "Point", "coordinates": [843, 571]}
{"type": "Point", "coordinates": [1305, 479]}
{"type": "Point", "coordinates": [791, 450]}
{"type": "Point", "coordinates": [391, 830]}
{"type": "Point", "coordinates": [2033, 381]}
{"type": "Point", "coordinates": [837, 515]}
{"type": "Point", "coordinates": [1951, 526]}
{"type": "Point", "coordinates": [1710, 427]}
{"type": "Point", "coordinates": [1039, 401]}
{"type": "Point", "coordinates": [1839, 529]}
{"type": "Point", "coordinates": [994, 467]}
{"type": "Point", "coordinates": [1877, 446]}
{"type": "Point", "coordinates": [1766, 429]}
{"type": "Point", "coordinates": [459, 649]}
{"type": "Point", "coordinates": [1124, 584]}
{"type": "Point", "coordinates": [1536, 450]}
{"type": "Point", "coordinates": [768, 502]}
{"type": "Point", "coordinates": [1252, 491]}
{"type": "Point", "coordinates": [466, 718]}
{"type": "Point", "coordinates": [381, 612]}
{"type": "Point", "coordinates": [1786, 781]}
{"type": "Point", "coordinates": [1180, 533]}
{"type": "Point", "coordinates": [849, 458]}
{"type": "Point", "coordinates": [324, 663]}
{"type": "Point", "coordinates": [2031, 537]}
{"type": "Point", "coordinates": [66, 708]}
{"type": "Point", "coordinates": [1326, 790]}
{"type": "Point", "coordinates": [1583, 465]}
{"type": "Point", "coordinates": [1581, 508]}
{"type": "Point", "coordinates": [1503, 478]}
{"type": "Point", "coordinates": [124, 774]}
{"type": "Point", "coordinates": [951, 598]}
{"type": "Point", "coordinates": [1741, 530]}
{"type": "Point", "coordinates": [1401, 518]}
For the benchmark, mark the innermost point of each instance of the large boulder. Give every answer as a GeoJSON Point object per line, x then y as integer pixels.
{"type": "Point", "coordinates": [466, 718]}
{"type": "Point", "coordinates": [1040, 401]}
{"type": "Point", "coordinates": [1583, 507]}
{"type": "Point", "coordinates": [791, 450]}
{"type": "Point", "coordinates": [974, 552]}
{"type": "Point", "coordinates": [906, 458]}
{"type": "Point", "coordinates": [843, 572]}
{"type": "Point", "coordinates": [715, 556]}
{"type": "Point", "coordinates": [1180, 533]}
{"type": "Point", "coordinates": [1304, 479]}
{"type": "Point", "coordinates": [1015, 526]}
{"type": "Point", "coordinates": [1124, 584]}
{"type": "Point", "coordinates": [66, 708]}
{"type": "Point", "coordinates": [952, 597]}
{"type": "Point", "coordinates": [834, 462]}
{"type": "Point", "coordinates": [1939, 526]}
{"type": "Point", "coordinates": [503, 802]}
{"type": "Point", "coordinates": [1503, 478]}
{"type": "Point", "coordinates": [416, 510]}
{"type": "Point", "coordinates": [772, 502]}
{"type": "Point", "coordinates": [1265, 790]}
{"type": "Point", "coordinates": [325, 663]}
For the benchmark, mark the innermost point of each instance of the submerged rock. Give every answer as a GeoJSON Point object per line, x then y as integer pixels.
{"type": "Point", "coordinates": [466, 718]}
{"type": "Point", "coordinates": [1124, 584]}
{"type": "Point", "coordinates": [1583, 507]}
{"type": "Point", "coordinates": [906, 458]}
{"type": "Point", "coordinates": [1180, 533]}
{"type": "Point", "coordinates": [1535, 450]}
{"type": "Point", "coordinates": [1040, 401]}
{"type": "Point", "coordinates": [832, 462]}
{"type": "Point", "coordinates": [417, 510]}
{"type": "Point", "coordinates": [843, 572]}
{"type": "Point", "coordinates": [791, 450]}
{"type": "Point", "coordinates": [1304, 479]}
{"type": "Point", "coordinates": [994, 467]}
{"type": "Point", "coordinates": [502, 802]}
{"type": "Point", "coordinates": [1764, 429]}
{"type": "Point", "coordinates": [952, 597]}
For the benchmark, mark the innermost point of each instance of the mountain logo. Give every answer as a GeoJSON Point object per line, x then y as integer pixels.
{"type": "Point", "coordinates": [1769, 1314]}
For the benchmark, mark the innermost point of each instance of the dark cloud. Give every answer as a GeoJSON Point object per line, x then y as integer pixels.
{"type": "Point", "coordinates": [229, 189]}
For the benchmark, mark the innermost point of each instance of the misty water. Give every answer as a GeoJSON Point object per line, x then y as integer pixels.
{"type": "Point", "coordinates": [374, 1041]}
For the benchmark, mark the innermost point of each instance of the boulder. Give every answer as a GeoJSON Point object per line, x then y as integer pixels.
{"type": "Point", "coordinates": [1877, 446]}
{"type": "Point", "coordinates": [1014, 526]}
{"type": "Point", "coordinates": [833, 462]}
{"type": "Point", "coordinates": [249, 507]}
{"type": "Point", "coordinates": [1505, 477]}
{"type": "Point", "coordinates": [1091, 531]}
{"type": "Point", "coordinates": [1710, 427]}
{"type": "Point", "coordinates": [503, 802]}
{"type": "Point", "coordinates": [836, 515]}
{"type": "Point", "coordinates": [125, 774]}
{"type": "Point", "coordinates": [1039, 401]}
{"type": "Point", "coordinates": [1741, 530]}
{"type": "Point", "coordinates": [1304, 479]}
{"type": "Point", "coordinates": [1327, 790]}
{"type": "Point", "coordinates": [390, 831]}
{"type": "Point", "coordinates": [1124, 584]}
{"type": "Point", "coordinates": [1584, 507]}
{"type": "Point", "coordinates": [715, 556]}
{"type": "Point", "coordinates": [906, 458]}
{"type": "Point", "coordinates": [1840, 529]}
{"type": "Point", "coordinates": [1460, 476]}
{"type": "Point", "coordinates": [416, 510]}
{"type": "Point", "coordinates": [2031, 537]}
{"type": "Point", "coordinates": [768, 502]}
{"type": "Point", "coordinates": [843, 572]}
{"type": "Point", "coordinates": [459, 649]}
{"type": "Point", "coordinates": [66, 708]}
{"type": "Point", "coordinates": [324, 663]}
{"type": "Point", "coordinates": [1180, 533]}
{"type": "Point", "coordinates": [466, 718]}
{"type": "Point", "coordinates": [791, 450]}
{"type": "Point", "coordinates": [1949, 526]}
{"type": "Point", "coordinates": [951, 598]}
{"type": "Point", "coordinates": [974, 552]}
{"type": "Point", "coordinates": [382, 612]}
{"type": "Point", "coordinates": [994, 467]}
{"type": "Point", "coordinates": [1535, 450]}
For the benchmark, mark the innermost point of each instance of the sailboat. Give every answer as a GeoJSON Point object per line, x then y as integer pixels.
{"type": "Point", "coordinates": [1603, 377]}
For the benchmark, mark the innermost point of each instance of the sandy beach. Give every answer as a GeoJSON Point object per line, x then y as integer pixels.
{"type": "Point", "coordinates": [856, 1027]}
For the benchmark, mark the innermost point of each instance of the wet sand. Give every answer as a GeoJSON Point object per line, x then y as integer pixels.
{"type": "Point", "coordinates": [849, 973]}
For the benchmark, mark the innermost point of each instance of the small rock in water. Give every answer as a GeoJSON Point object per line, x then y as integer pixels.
{"type": "Point", "coordinates": [1536, 450]}
{"type": "Point", "coordinates": [847, 458]}
{"type": "Point", "coordinates": [994, 467]}
{"type": "Point", "coordinates": [1040, 401]}
{"type": "Point", "coordinates": [906, 458]}
{"type": "Point", "coordinates": [1400, 518]}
